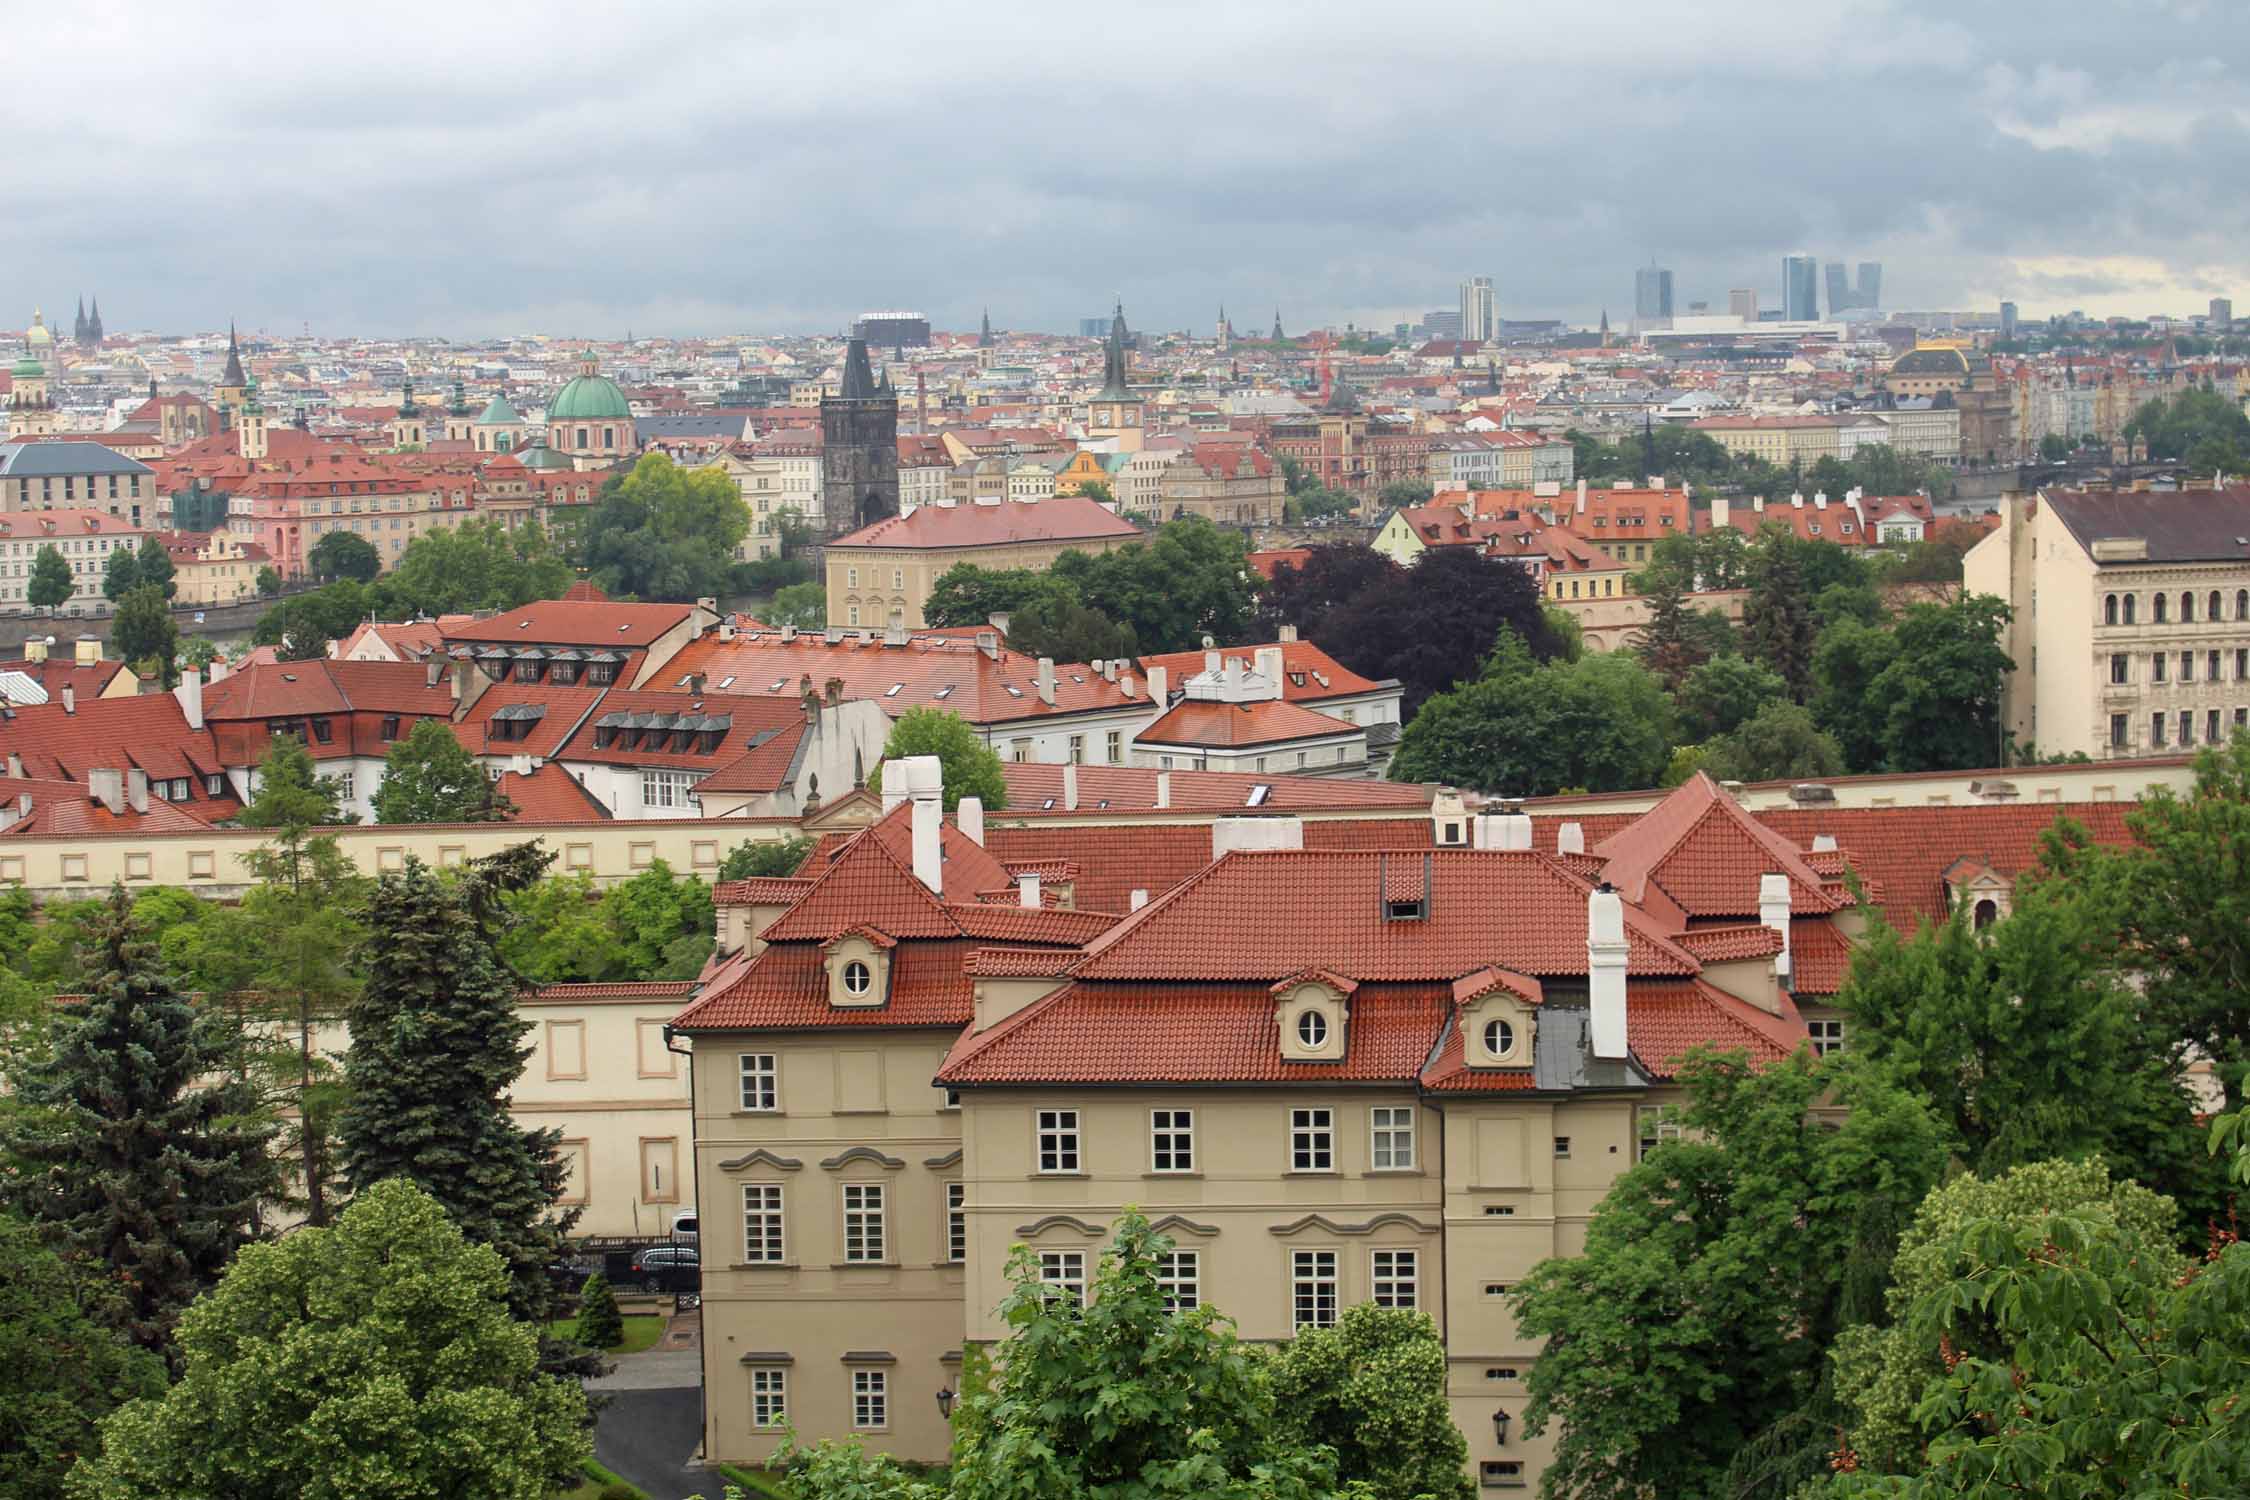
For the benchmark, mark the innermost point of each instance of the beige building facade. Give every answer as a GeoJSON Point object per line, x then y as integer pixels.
{"type": "Point", "coordinates": [882, 575]}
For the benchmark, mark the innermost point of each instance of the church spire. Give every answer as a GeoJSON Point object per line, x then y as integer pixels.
{"type": "Point", "coordinates": [232, 376]}
{"type": "Point", "coordinates": [1114, 384]}
{"type": "Point", "coordinates": [984, 331]}
{"type": "Point", "coordinates": [79, 331]}
{"type": "Point", "coordinates": [94, 333]}
{"type": "Point", "coordinates": [859, 376]}
{"type": "Point", "coordinates": [1277, 325]}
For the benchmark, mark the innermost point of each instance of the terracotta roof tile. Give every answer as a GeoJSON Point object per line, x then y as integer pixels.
{"type": "Point", "coordinates": [1715, 945]}
{"type": "Point", "coordinates": [1194, 722]}
{"type": "Point", "coordinates": [575, 622]}
{"type": "Point", "coordinates": [1062, 518]}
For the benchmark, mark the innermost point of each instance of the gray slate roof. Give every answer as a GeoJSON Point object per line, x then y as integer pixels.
{"type": "Point", "coordinates": [2180, 525]}
{"type": "Point", "coordinates": [34, 460]}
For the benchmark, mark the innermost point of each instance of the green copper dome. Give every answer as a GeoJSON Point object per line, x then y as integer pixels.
{"type": "Point", "coordinates": [589, 398]}
{"type": "Point", "coordinates": [28, 368]}
{"type": "Point", "coordinates": [498, 413]}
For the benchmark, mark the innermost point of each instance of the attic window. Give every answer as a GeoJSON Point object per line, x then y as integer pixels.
{"type": "Point", "coordinates": [725, 683]}
{"type": "Point", "coordinates": [1312, 1030]}
{"type": "Point", "coordinates": [1014, 691]}
{"type": "Point", "coordinates": [1258, 795]}
{"type": "Point", "coordinates": [892, 690]}
{"type": "Point", "coordinates": [778, 684]}
{"type": "Point", "coordinates": [1406, 911]}
{"type": "Point", "coordinates": [944, 692]}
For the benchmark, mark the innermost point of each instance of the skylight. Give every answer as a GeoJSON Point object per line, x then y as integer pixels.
{"type": "Point", "coordinates": [892, 690]}
{"type": "Point", "coordinates": [726, 682]}
{"type": "Point", "coordinates": [778, 684]}
{"type": "Point", "coordinates": [944, 692]}
{"type": "Point", "coordinates": [1259, 794]}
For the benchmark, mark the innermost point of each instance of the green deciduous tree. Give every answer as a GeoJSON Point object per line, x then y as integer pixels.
{"type": "Point", "coordinates": [970, 767]}
{"type": "Point", "coordinates": [368, 1361]}
{"type": "Point", "coordinates": [154, 567]}
{"type": "Point", "coordinates": [138, 1153]}
{"type": "Point", "coordinates": [665, 532]}
{"type": "Point", "coordinates": [1940, 691]}
{"type": "Point", "coordinates": [437, 1044]}
{"type": "Point", "coordinates": [1716, 1273]}
{"type": "Point", "coordinates": [1601, 723]}
{"type": "Point", "coordinates": [61, 1368]}
{"type": "Point", "coordinates": [966, 594]}
{"type": "Point", "coordinates": [50, 583]}
{"type": "Point", "coordinates": [1372, 1390]}
{"type": "Point", "coordinates": [1779, 742]}
{"type": "Point", "coordinates": [121, 573]}
{"type": "Point", "coordinates": [1068, 631]}
{"type": "Point", "coordinates": [430, 777]}
{"type": "Point", "coordinates": [758, 857]}
{"type": "Point", "coordinates": [1723, 694]}
{"type": "Point", "coordinates": [1187, 580]}
{"type": "Point", "coordinates": [344, 554]}
{"type": "Point", "coordinates": [144, 630]}
{"type": "Point", "coordinates": [1431, 625]}
{"type": "Point", "coordinates": [269, 581]}
{"type": "Point", "coordinates": [804, 605]}
{"type": "Point", "coordinates": [1406, 492]}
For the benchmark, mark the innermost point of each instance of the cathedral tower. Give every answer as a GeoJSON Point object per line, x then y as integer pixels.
{"type": "Point", "coordinates": [859, 447]}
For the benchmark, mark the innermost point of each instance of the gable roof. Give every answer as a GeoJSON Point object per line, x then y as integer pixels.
{"type": "Point", "coordinates": [1702, 853]}
{"type": "Point", "coordinates": [1061, 518]}
{"type": "Point", "coordinates": [575, 622]}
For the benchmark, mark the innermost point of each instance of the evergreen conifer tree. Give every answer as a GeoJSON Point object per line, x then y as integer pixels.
{"type": "Point", "coordinates": [437, 1043]}
{"type": "Point", "coordinates": [139, 1151]}
{"type": "Point", "coordinates": [600, 1324]}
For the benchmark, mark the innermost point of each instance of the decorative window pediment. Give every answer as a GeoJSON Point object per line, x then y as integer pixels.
{"type": "Point", "coordinates": [1313, 1010]}
{"type": "Point", "coordinates": [859, 967]}
{"type": "Point", "coordinates": [1499, 1015]}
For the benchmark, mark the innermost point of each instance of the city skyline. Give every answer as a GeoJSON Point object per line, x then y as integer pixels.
{"type": "Point", "coordinates": [390, 181]}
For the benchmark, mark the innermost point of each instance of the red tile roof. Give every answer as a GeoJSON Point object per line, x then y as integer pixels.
{"type": "Point", "coordinates": [753, 752]}
{"type": "Point", "coordinates": [1196, 722]}
{"type": "Point", "coordinates": [1034, 784]}
{"type": "Point", "coordinates": [550, 794]}
{"type": "Point", "coordinates": [575, 622]}
{"type": "Point", "coordinates": [1665, 1022]}
{"type": "Point", "coordinates": [1011, 523]}
{"type": "Point", "coordinates": [1308, 674]}
{"type": "Point", "coordinates": [1716, 945]}
{"type": "Point", "coordinates": [1700, 852]}
{"type": "Point", "coordinates": [149, 731]}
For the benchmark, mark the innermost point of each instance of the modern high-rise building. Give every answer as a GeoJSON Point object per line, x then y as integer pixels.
{"type": "Point", "coordinates": [1839, 290]}
{"type": "Point", "coordinates": [1870, 291]}
{"type": "Point", "coordinates": [1442, 323]}
{"type": "Point", "coordinates": [1742, 302]}
{"type": "Point", "coordinates": [1652, 296]}
{"type": "Point", "coordinates": [2007, 320]}
{"type": "Point", "coordinates": [1800, 289]}
{"type": "Point", "coordinates": [1480, 314]}
{"type": "Point", "coordinates": [2222, 312]}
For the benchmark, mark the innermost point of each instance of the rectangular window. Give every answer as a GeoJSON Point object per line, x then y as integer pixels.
{"type": "Point", "coordinates": [2156, 728]}
{"type": "Point", "coordinates": [1312, 1288]}
{"type": "Point", "coordinates": [2117, 731]}
{"type": "Point", "coordinates": [347, 786]}
{"type": "Point", "coordinates": [1827, 1036]}
{"type": "Point", "coordinates": [1116, 747]}
{"type": "Point", "coordinates": [1065, 1271]}
{"type": "Point", "coordinates": [1312, 1140]}
{"type": "Point", "coordinates": [761, 1223]}
{"type": "Point", "coordinates": [1171, 1140]}
{"type": "Point", "coordinates": [1390, 1131]}
{"type": "Point", "coordinates": [956, 1222]}
{"type": "Point", "coordinates": [1501, 1474]}
{"type": "Point", "coordinates": [2211, 666]}
{"type": "Point", "coordinates": [2156, 667]}
{"type": "Point", "coordinates": [871, 1400]}
{"type": "Point", "coordinates": [2117, 669]}
{"type": "Point", "coordinates": [2241, 663]}
{"type": "Point", "coordinates": [667, 789]}
{"type": "Point", "coordinates": [1395, 1278]}
{"type": "Point", "coordinates": [863, 1224]}
{"type": "Point", "coordinates": [769, 1398]}
{"type": "Point", "coordinates": [1179, 1278]}
{"type": "Point", "coordinates": [1058, 1140]}
{"type": "Point", "coordinates": [1654, 1125]}
{"type": "Point", "coordinates": [761, 1082]}
{"type": "Point", "coordinates": [2187, 666]}
{"type": "Point", "coordinates": [1078, 749]}
{"type": "Point", "coordinates": [2211, 727]}
{"type": "Point", "coordinates": [1562, 1148]}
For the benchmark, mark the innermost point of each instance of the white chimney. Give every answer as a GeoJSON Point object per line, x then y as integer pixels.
{"type": "Point", "coordinates": [136, 789]}
{"type": "Point", "coordinates": [1268, 659]}
{"type": "Point", "coordinates": [1163, 789]}
{"type": "Point", "coordinates": [1288, 633]}
{"type": "Point", "coordinates": [1500, 831]}
{"type": "Point", "coordinates": [219, 670]}
{"type": "Point", "coordinates": [1125, 683]}
{"type": "Point", "coordinates": [1047, 680]}
{"type": "Point", "coordinates": [106, 785]}
{"type": "Point", "coordinates": [1212, 661]}
{"type": "Point", "coordinates": [929, 857]}
{"type": "Point", "coordinates": [1722, 514]}
{"type": "Point", "coordinates": [190, 694]}
{"type": "Point", "coordinates": [1138, 899]}
{"type": "Point", "coordinates": [912, 778]}
{"type": "Point", "coordinates": [1160, 686]}
{"type": "Point", "coordinates": [1582, 497]}
{"type": "Point", "coordinates": [969, 818]}
{"type": "Point", "coordinates": [1070, 786]}
{"type": "Point", "coordinates": [1256, 833]}
{"type": "Point", "coordinates": [1773, 911]}
{"type": "Point", "coordinates": [1570, 839]}
{"type": "Point", "coordinates": [1027, 891]}
{"type": "Point", "coordinates": [1820, 500]}
{"type": "Point", "coordinates": [69, 698]}
{"type": "Point", "coordinates": [1605, 970]}
{"type": "Point", "coordinates": [1796, 499]}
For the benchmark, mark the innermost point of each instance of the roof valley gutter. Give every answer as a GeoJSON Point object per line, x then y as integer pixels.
{"type": "Point", "coordinates": [582, 718]}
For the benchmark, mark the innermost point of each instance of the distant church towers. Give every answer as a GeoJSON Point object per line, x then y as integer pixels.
{"type": "Point", "coordinates": [88, 331]}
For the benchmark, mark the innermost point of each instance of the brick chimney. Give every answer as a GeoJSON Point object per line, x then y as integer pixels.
{"type": "Point", "coordinates": [1605, 970]}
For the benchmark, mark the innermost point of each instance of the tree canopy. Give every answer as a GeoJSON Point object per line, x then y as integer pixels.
{"type": "Point", "coordinates": [1189, 579]}
{"type": "Point", "coordinates": [665, 532]}
{"type": "Point", "coordinates": [344, 554]}
{"type": "Point", "coordinates": [1431, 625]}
{"type": "Point", "coordinates": [145, 633]}
{"type": "Point", "coordinates": [50, 583]}
{"type": "Point", "coordinates": [970, 766]}
{"type": "Point", "coordinates": [1302, 594]}
{"type": "Point", "coordinates": [1371, 1389]}
{"type": "Point", "coordinates": [430, 777]}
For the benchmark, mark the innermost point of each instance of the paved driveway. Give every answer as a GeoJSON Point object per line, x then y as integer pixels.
{"type": "Point", "coordinates": [653, 1422]}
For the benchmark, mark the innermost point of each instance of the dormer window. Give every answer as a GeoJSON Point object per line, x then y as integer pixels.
{"type": "Point", "coordinates": [1406, 911]}
{"type": "Point", "coordinates": [1499, 1039]}
{"type": "Point", "coordinates": [858, 965]}
{"type": "Point", "coordinates": [1312, 1011]}
{"type": "Point", "coordinates": [1499, 1017]}
{"type": "Point", "coordinates": [1312, 1030]}
{"type": "Point", "coordinates": [858, 979]}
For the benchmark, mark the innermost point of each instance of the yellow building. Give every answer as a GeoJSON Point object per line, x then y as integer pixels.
{"type": "Point", "coordinates": [219, 568]}
{"type": "Point", "coordinates": [1780, 441]}
{"type": "Point", "coordinates": [881, 575]}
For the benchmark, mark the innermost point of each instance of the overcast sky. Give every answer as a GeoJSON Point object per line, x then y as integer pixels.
{"type": "Point", "coordinates": [583, 169]}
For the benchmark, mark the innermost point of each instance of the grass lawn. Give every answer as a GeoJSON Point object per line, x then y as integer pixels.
{"type": "Point", "coordinates": [642, 1330]}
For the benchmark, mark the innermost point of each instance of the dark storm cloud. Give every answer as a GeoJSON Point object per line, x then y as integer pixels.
{"type": "Point", "coordinates": [579, 168]}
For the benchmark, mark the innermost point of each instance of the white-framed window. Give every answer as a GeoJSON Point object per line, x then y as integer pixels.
{"type": "Point", "coordinates": [1562, 1148]}
{"type": "Point", "coordinates": [871, 1400]}
{"type": "Point", "coordinates": [1171, 1140]}
{"type": "Point", "coordinates": [1312, 1140]}
{"type": "Point", "coordinates": [1058, 1140]}
{"type": "Point", "coordinates": [1179, 1277]}
{"type": "Point", "coordinates": [1312, 1026]}
{"type": "Point", "coordinates": [1312, 1288]}
{"type": "Point", "coordinates": [761, 1082]}
{"type": "Point", "coordinates": [1501, 1474]}
{"type": "Point", "coordinates": [769, 1396]}
{"type": "Point", "coordinates": [1390, 1134]}
{"type": "Point", "coordinates": [863, 1223]}
{"type": "Point", "coordinates": [858, 978]}
{"type": "Point", "coordinates": [1499, 1038]}
{"type": "Point", "coordinates": [1065, 1271]}
{"type": "Point", "coordinates": [1114, 746]}
{"type": "Point", "coordinates": [956, 1222]}
{"type": "Point", "coordinates": [761, 1223]}
{"type": "Point", "coordinates": [1655, 1124]}
{"type": "Point", "coordinates": [1395, 1277]}
{"type": "Point", "coordinates": [666, 788]}
{"type": "Point", "coordinates": [347, 786]}
{"type": "Point", "coordinates": [1828, 1035]}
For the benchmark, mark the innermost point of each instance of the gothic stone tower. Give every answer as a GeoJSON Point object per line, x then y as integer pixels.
{"type": "Point", "coordinates": [859, 447]}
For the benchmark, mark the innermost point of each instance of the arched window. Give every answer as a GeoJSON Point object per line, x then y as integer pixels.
{"type": "Point", "coordinates": [1984, 913]}
{"type": "Point", "coordinates": [2211, 608]}
{"type": "Point", "coordinates": [2109, 610]}
{"type": "Point", "coordinates": [2187, 609]}
{"type": "Point", "coordinates": [2129, 609]}
{"type": "Point", "coordinates": [2156, 611]}
{"type": "Point", "coordinates": [2242, 604]}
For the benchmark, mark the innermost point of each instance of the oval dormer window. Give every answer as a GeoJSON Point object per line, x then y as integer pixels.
{"type": "Point", "coordinates": [1312, 1029]}
{"type": "Point", "coordinates": [1499, 1038]}
{"type": "Point", "coordinates": [857, 978]}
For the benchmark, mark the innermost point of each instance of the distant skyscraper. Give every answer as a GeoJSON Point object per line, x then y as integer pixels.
{"type": "Point", "coordinates": [1742, 302]}
{"type": "Point", "coordinates": [1442, 323]}
{"type": "Point", "coordinates": [1800, 289]}
{"type": "Point", "coordinates": [1839, 290]}
{"type": "Point", "coordinates": [1869, 293]}
{"type": "Point", "coordinates": [1480, 314]}
{"type": "Point", "coordinates": [1652, 295]}
{"type": "Point", "coordinates": [2007, 320]}
{"type": "Point", "coordinates": [2222, 312]}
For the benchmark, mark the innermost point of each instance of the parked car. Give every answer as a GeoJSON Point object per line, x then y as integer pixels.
{"type": "Point", "coordinates": [668, 1268]}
